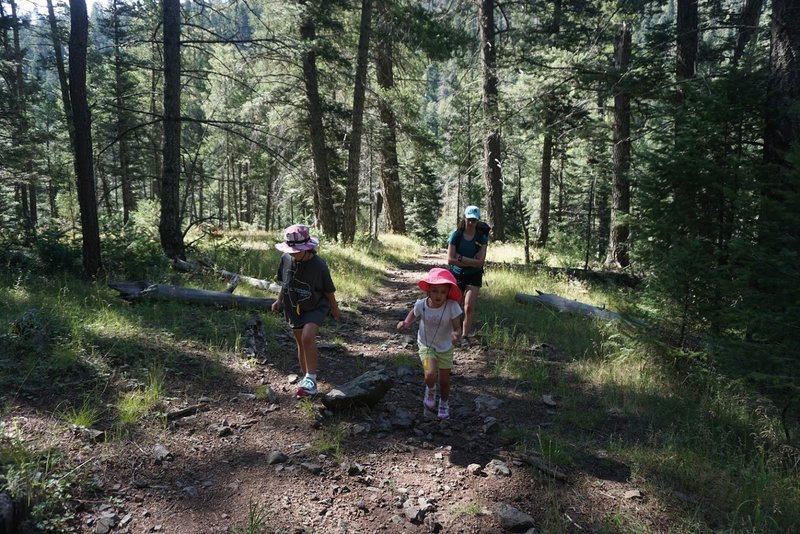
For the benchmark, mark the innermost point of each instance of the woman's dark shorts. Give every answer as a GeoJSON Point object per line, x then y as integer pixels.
{"type": "Point", "coordinates": [470, 279]}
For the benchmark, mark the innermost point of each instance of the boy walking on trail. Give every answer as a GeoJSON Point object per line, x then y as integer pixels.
{"type": "Point", "coordinates": [439, 330]}
{"type": "Point", "coordinates": [307, 296]}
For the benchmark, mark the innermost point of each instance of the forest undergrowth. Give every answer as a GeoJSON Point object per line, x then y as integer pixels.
{"type": "Point", "coordinates": [75, 356]}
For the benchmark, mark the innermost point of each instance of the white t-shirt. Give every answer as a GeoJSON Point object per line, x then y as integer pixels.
{"type": "Point", "coordinates": [435, 326]}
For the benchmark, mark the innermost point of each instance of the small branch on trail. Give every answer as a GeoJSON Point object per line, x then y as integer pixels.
{"type": "Point", "coordinates": [569, 306]}
{"type": "Point", "coordinates": [142, 289]}
{"type": "Point", "coordinates": [544, 467]}
{"type": "Point", "coordinates": [186, 412]}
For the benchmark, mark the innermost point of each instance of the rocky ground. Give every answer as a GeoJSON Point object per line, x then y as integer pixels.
{"type": "Point", "coordinates": [299, 468]}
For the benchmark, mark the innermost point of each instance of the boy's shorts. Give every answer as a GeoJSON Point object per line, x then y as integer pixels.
{"type": "Point", "coordinates": [444, 360]}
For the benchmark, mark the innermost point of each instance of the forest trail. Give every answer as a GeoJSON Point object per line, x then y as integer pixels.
{"type": "Point", "coordinates": [385, 469]}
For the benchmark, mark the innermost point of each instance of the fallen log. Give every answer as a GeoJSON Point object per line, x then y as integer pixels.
{"type": "Point", "coordinates": [568, 306]}
{"type": "Point", "coordinates": [134, 291]}
{"type": "Point", "coordinates": [258, 283]}
{"type": "Point", "coordinates": [206, 265]}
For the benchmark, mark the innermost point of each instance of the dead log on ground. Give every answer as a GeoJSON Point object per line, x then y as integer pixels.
{"type": "Point", "coordinates": [206, 265]}
{"type": "Point", "coordinates": [143, 289]}
{"type": "Point", "coordinates": [569, 306]}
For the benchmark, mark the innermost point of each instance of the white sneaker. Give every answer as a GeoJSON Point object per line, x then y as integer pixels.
{"type": "Point", "coordinates": [429, 400]}
{"type": "Point", "coordinates": [444, 409]}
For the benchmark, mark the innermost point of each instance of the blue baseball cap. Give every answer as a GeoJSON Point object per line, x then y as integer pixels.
{"type": "Point", "coordinates": [472, 212]}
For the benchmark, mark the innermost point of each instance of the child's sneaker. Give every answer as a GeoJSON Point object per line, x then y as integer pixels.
{"type": "Point", "coordinates": [307, 388]}
{"type": "Point", "coordinates": [430, 399]}
{"type": "Point", "coordinates": [444, 409]}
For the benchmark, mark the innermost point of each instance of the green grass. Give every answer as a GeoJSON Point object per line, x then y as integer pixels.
{"type": "Point", "coordinates": [307, 408]}
{"type": "Point", "coordinates": [86, 415]}
{"type": "Point", "coordinates": [705, 435]}
{"type": "Point", "coordinates": [472, 509]}
{"type": "Point", "coordinates": [676, 426]}
{"type": "Point", "coordinates": [330, 443]}
{"type": "Point", "coordinates": [257, 521]}
{"type": "Point", "coordinates": [135, 405]}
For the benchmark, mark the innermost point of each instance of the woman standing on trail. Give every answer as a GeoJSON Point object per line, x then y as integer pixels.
{"type": "Point", "coordinates": [466, 254]}
{"type": "Point", "coordinates": [439, 328]}
{"type": "Point", "coordinates": [307, 296]}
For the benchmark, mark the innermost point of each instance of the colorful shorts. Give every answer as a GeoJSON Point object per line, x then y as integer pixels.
{"type": "Point", "coordinates": [444, 360]}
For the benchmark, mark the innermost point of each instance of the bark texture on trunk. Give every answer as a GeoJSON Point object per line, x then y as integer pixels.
{"type": "Point", "coordinates": [492, 171]}
{"type": "Point", "coordinates": [170, 224]}
{"type": "Point", "coordinates": [84, 168]}
{"type": "Point", "coordinates": [546, 178]}
{"type": "Point", "coordinates": [354, 153]}
{"type": "Point", "coordinates": [390, 176]}
{"type": "Point", "coordinates": [324, 210]}
{"type": "Point", "coordinates": [619, 245]}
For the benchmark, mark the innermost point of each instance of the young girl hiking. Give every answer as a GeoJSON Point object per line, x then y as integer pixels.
{"type": "Point", "coordinates": [439, 329]}
{"type": "Point", "coordinates": [307, 296]}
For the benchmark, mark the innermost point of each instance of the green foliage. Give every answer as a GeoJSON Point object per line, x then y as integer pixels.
{"type": "Point", "coordinates": [39, 480]}
{"type": "Point", "coordinates": [425, 203]}
{"type": "Point", "coordinates": [133, 252]}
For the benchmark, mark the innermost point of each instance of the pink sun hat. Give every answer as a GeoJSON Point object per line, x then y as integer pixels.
{"type": "Point", "coordinates": [437, 275]}
{"type": "Point", "coordinates": [297, 238]}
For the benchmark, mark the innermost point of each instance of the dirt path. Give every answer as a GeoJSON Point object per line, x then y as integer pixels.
{"type": "Point", "coordinates": [395, 470]}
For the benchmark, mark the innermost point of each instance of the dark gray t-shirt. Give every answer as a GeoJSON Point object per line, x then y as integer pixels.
{"type": "Point", "coordinates": [305, 284]}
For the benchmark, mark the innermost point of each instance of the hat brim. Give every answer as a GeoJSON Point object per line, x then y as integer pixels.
{"type": "Point", "coordinates": [453, 294]}
{"type": "Point", "coordinates": [311, 244]}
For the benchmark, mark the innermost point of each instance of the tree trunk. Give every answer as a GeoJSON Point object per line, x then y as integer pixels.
{"type": "Point", "coordinates": [324, 211]}
{"type": "Point", "coordinates": [687, 38]}
{"type": "Point", "coordinates": [354, 152]}
{"type": "Point", "coordinates": [157, 130]}
{"type": "Point", "coordinates": [544, 195]}
{"type": "Point", "coordinates": [779, 188]}
{"type": "Point", "coordinates": [748, 22]}
{"type": "Point", "coordinates": [390, 177]}
{"type": "Point", "coordinates": [128, 200]}
{"type": "Point", "coordinates": [62, 73]}
{"type": "Point", "coordinates": [170, 224]}
{"type": "Point", "coordinates": [492, 171]}
{"type": "Point", "coordinates": [686, 56]}
{"type": "Point", "coordinates": [619, 246]}
{"type": "Point", "coordinates": [26, 190]}
{"type": "Point", "coordinates": [82, 125]}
